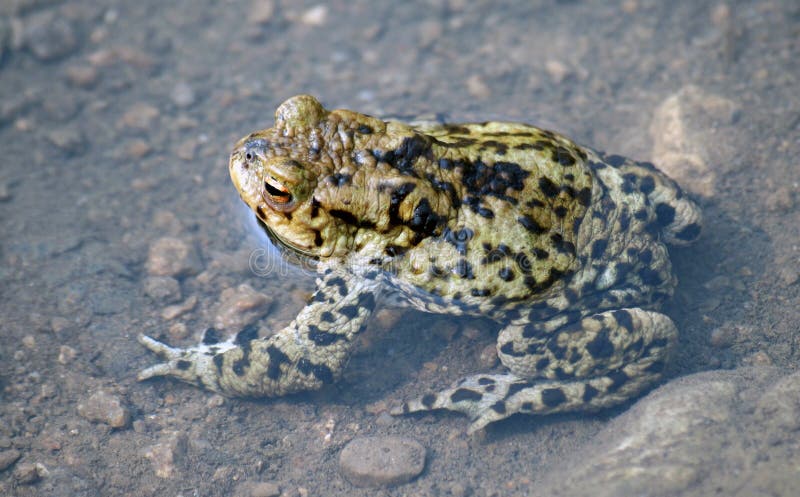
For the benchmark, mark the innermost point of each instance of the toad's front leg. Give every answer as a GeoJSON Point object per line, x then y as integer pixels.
{"type": "Point", "coordinates": [305, 355]}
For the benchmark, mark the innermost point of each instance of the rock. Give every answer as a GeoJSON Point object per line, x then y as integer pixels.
{"type": "Point", "coordinates": [170, 256]}
{"type": "Point", "coordinates": [258, 489]}
{"type": "Point", "coordinates": [82, 76]}
{"type": "Point", "coordinates": [5, 192]}
{"type": "Point", "coordinates": [8, 457]}
{"type": "Point", "coordinates": [183, 95]}
{"type": "Point", "coordinates": [477, 87]}
{"type": "Point", "coordinates": [381, 460]}
{"type": "Point", "coordinates": [140, 116]}
{"type": "Point", "coordinates": [173, 311]}
{"type": "Point", "coordinates": [315, 16]}
{"type": "Point", "coordinates": [49, 37]}
{"type": "Point", "coordinates": [66, 354]}
{"type": "Point", "coordinates": [28, 473]}
{"type": "Point", "coordinates": [682, 128]}
{"type": "Point", "coordinates": [557, 71]}
{"type": "Point", "coordinates": [240, 307]}
{"type": "Point", "coordinates": [103, 407]}
{"type": "Point", "coordinates": [261, 11]}
{"type": "Point", "coordinates": [69, 140]}
{"type": "Point", "coordinates": [165, 454]}
{"type": "Point", "coordinates": [683, 438]}
{"type": "Point", "coordinates": [164, 289]}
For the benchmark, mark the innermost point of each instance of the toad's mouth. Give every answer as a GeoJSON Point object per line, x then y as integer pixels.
{"type": "Point", "coordinates": [290, 252]}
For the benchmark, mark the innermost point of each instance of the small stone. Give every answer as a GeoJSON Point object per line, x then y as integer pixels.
{"type": "Point", "coordinates": [315, 16]}
{"type": "Point", "coordinates": [170, 256]}
{"type": "Point", "coordinates": [28, 473]}
{"type": "Point", "coordinates": [630, 6]}
{"type": "Point", "coordinates": [477, 87]}
{"type": "Point", "coordinates": [781, 200]}
{"type": "Point", "coordinates": [29, 342]}
{"type": "Point", "coordinates": [682, 128]}
{"type": "Point", "coordinates": [164, 289]}
{"type": "Point", "coordinates": [215, 401]}
{"type": "Point", "coordinates": [69, 140]}
{"type": "Point", "coordinates": [557, 71]}
{"type": "Point", "coordinates": [5, 192]}
{"type": "Point", "coordinates": [759, 358]}
{"type": "Point", "coordinates": [788, 275]}
{"type": "Point", "coordinates": [183, 95]}
{"type": "Point", "coordinates": [178, 331]}
{"type": "Point", "coordinates": [173, 311]}
{"type": "Point", "coordinates": [240, 307]}
{"type": "Point", "coordinates": [261, 11]}
{"type": "Point", "coordinates": [82, 76]}
{"type": "Point", "coordinates": [258, 489]}
{"type": "Point", "coordinates": [103, 407]}
{"type": "Point", "coordinates": [721, 15]}
{"type": "Point", "coordinates": [165, 454]}
{"type": "Point", "coordinates": [429, 32]}
{"type": "Point", "coordinates": [8, 457]}
{"type": "Point", "coordinates": [137, 149]}
{"type": "Point", "coordinates": [140, 116]}
{"type": "Point", "coordinates": [723, 337]}
{"type": "Point", "coordinates": [381, 460]}
{"type": "Point", "coordinates": [49, 37]}
{"type": "Point", "coordinates": [66, 354]}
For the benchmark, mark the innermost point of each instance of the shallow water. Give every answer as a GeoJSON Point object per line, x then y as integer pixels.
{"type": "Point", "coordinates": [115, 125]}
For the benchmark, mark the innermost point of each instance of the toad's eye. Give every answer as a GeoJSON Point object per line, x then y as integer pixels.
{"type": "Point", "coordinates": [276, 192]}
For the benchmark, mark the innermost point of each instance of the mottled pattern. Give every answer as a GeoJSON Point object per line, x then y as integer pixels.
{"type": "Point", "coordinates": [561, 244]}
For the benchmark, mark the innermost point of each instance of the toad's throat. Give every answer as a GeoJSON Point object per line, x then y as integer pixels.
{"type": "Point", "coordinates": [290, 252]}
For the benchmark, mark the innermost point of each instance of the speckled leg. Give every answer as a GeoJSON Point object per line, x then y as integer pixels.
{"type": "Point", "coordinates": [308, 353]}
{"type": "Point", "coordinates": [678, 215]}
{"type": "Point", "coordinates": [596, 362]}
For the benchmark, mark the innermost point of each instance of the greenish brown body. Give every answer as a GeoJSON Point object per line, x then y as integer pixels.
{"type": "Point", "coordinates": [564, 246]}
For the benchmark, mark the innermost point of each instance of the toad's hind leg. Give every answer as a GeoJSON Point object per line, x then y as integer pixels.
{"type": "Point", "coordinates": [596, 362]}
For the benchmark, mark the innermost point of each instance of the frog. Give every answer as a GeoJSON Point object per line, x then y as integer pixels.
{"type": "Point", "coordinates": [564, 246]}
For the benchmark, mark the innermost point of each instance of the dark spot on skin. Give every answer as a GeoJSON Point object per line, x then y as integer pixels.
{"type": "Point", "coordinates": [531, 330]}
{"type": "Point", "coordinates": [396, 198]}
{"type": "Point", "coordinates": [339, 179]}
{"type": "Point", "coordinates": [624, 319]}
{"type": "Point", "coordinates": [650, 277]}
{"type": "Point", "coordinates": [485, 381]}
{"type": "Point", "coordinates": [561, 374]}
{"type": "Point", "coordinates": [482, 292]}
{"type": "Point", "coordinates": [560, 211]}
{"type": "Point", "coordinates": [327, 317]}
{"type": "Point", "coordinates": [349, 311]}
{"type": "Point", "coordinates": [665, 214]}
{"type": "Point", "coordinates": [445, 164]}
{"type": "Point", "coordinates": [340, 283]}
{"type": "Point", "coordinates": [506, 274]}
{"type": "Point", "coordinates": [463, 394]}
{"type": "Point", "coordinates": [689, 233]}
{"type": "Point", "coordinates": [584, 196]}
{"type": "Point", "coordinates": [600, 346]}
{"type": "Point", "coordinates": [320, 371]}
{"type": "Point", "coordinates": [367, 301]}
{"type": "Point", "coordinates": [655, 368]}
{"type": "Point", "coordinates": [558, 351]}
{"type": "Point", "coordinates": [423, 219]}
{"type": "Point", "coordinates": [499, 147]}
{"type": "Point", "coordinates": [599, 248]}
{"type": "Point", "coordinates": [218, 361]}
{"type": "Point", "coordinates": [516, 387]}
{"type": "Point", "coordinates": [614, 160]}
{"type": "Point", "coordinates": [459, 238]}
{"type": "Point", "coordinates": [211, 337]}
{"type": "Point", "coordinates": [318, 238]}
{"type": "Point", "coordinates": [552, 397]}
{"type": "Point", "coordinates": [323, 338]}
{"type": "Point", "coordinates": [540, 253]}
{"type": "Point", "coordinates": [394, 250]}
{"type": "Point", "coordinates": [647, 185]}
{"type": "Point", "coordinates": [548, 187]}
{"type": "Point", "coordinates": [464, 269]}
{"type": "Point", "coordinates": [499, 407]}
{"type": "Point", "coordinates": [640, 215]}
{"type": "Point", "coordinates": [531, 225]}
{"type": "Point", "coordinates": [247, 335]}
{"type": "Point", "coordinates": [345, 216]}
{"type": "Point", "coordinates": [240, 366]}
{"type": "Point", "coordinates": [561, 245]}
{"type": "Point", "coordinates": [624, 221]}
{"type": "Point", "coordinates": [364, 129]}
{"type": "Point", "coordinates": [618, 378]}
{"type": "Point", "coordinates": [183, 364]}
{"type": "Point", "coordinates": [276, 358]}
{"type": "Point", "coordinates": [404, 156]}
{"type": "Point", "coordinates": [589, 392]}
{"type": "Point", "coordinates": [428, 400]}
{"type": "Point", "coordinates": [446, 187]}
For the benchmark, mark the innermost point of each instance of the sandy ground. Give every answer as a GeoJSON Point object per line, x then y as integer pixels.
{"type": "Point", "coordinates": [117, 217]}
